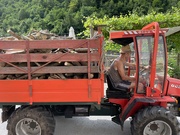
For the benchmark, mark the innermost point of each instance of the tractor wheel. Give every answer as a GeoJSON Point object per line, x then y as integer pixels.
{"type": "Point", "coordinates": [31, 120]}
{"type": "Point", "coordinates": [155, 120]}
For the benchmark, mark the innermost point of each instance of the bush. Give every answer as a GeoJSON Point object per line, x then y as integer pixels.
{"type": "Point", "coordinates": [176, 72]}
{"type": "Point", "coordinates": [173, 68]}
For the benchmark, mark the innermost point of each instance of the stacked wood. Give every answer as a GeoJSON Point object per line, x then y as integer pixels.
{"type": "Point", "coordinates": [42, 35]}
{"type": "Point", "coordinates": [34, 35]}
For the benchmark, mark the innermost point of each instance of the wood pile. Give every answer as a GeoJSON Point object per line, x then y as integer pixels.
{"type": "Point", "coordinates": [42, 35]}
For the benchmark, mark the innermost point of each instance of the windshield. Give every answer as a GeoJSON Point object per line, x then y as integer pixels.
{"type": "Point", "coordinates": [145, 48]}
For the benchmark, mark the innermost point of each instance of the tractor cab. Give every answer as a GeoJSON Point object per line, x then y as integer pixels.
{"type": "Point", "coordinates": [148, 108]}
{"type": "Point", "coordinates": [148, 49]}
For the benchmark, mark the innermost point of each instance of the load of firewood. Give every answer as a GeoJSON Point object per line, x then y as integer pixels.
{"type": "Point", "coordinates": [34, 35]}
{"type": "Point", "coordinates": [42, 35]}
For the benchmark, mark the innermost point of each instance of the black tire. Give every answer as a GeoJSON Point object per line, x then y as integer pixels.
{"type": "Point", "coordinates": [153, 121]}
{"type": "Point", "coordinates": [36, 120]}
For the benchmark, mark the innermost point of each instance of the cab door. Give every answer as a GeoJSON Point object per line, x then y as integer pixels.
{"type": "Point", "coordinates": [154, 84]}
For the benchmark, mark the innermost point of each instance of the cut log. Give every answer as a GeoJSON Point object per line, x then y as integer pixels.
{"type": "Point", "coordinates": [14, 34]}
{"type": "Point", "coordinates": [61, 76]}
{"type": "Point", "coordinates": [53, 70]}
{"type": "Point", "coordinates": [23, 77]}
{"type": "Point", "coordinates": [86, 76]}
{"type": "Point", "coordinates": [3, 76]}
{"type": "Point", "coordinates": [81, 50]}
{"type": "Point", "coordinates": [11, 38]}
{"type": "Point", "coordinates": [56, 76]}
{"type": "Point", "coordinates": [26, 38]}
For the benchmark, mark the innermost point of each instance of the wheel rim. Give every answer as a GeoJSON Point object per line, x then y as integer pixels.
{"type": "Point", "coordinates": [28, 126]}
{"type": "Point", "coordinates": [157, 127]}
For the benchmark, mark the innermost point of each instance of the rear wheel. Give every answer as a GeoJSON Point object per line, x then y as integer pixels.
{"type": "Point", "coordinates": [31, 120]}
{"type": "Point", "coordinates": [155, 121]}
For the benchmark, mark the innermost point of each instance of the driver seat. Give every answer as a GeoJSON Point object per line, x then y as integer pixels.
{"type": "Point", "coordinates": [113, 92]}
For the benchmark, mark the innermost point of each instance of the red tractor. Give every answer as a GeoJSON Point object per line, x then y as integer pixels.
{"type": "Point", "coordinates": [149, 109]}
{"type": "Point", "coordinates": [153, 111]}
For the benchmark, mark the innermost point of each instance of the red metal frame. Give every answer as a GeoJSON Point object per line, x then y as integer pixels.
{"type": "Point", "coordinates": [130, 107]}
{"type": "Point", "coordinates": [149, 30]}
{"type": "Point", "coordinates": [49, 90]}
{"type": "Point", "coordinates": [155, 26]}
{"type": "Point", "coordinates": [173, 87]}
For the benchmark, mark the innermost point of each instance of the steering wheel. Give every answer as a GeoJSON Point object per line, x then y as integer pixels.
{"type": "Point", "coordinates": [144, 75]}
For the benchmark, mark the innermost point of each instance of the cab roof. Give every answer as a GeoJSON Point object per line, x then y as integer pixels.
{"type": "Point", "coordinates": [126, 37]}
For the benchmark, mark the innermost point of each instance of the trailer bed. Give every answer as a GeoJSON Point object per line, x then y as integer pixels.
{"type": "Point", "coordinates": [31, 91]}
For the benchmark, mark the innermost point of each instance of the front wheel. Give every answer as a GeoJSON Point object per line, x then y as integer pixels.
{"type": "Point", "coordinates": [31, 120]}
{"type": "Point", "coordinates": [155, 120]}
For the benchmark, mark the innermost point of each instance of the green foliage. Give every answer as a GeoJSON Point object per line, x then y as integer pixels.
{"type": "Point", "coordinates": [174, 72]}
{"type": "Point", "coordinates": [174, 42]}
{"type": "Point", "coordinates": [23, 14]}
{"type": "Point", "coordinates": [174, 69]}
{"type": "Point", "coordinates": [58, 15]}
{"type": "Point", "coordinates": [110, 46]}
{"type": "Point", "coordinates": [134, 21]}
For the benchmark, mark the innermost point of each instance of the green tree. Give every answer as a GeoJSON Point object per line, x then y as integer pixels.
{"type": "Point", "coordinates": [23, 14]}
{"type": "Point", "coordinates": [53, 14]}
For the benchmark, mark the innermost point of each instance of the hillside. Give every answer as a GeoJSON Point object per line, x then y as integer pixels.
{"type": "Point", "coordinates": [58, 15]}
